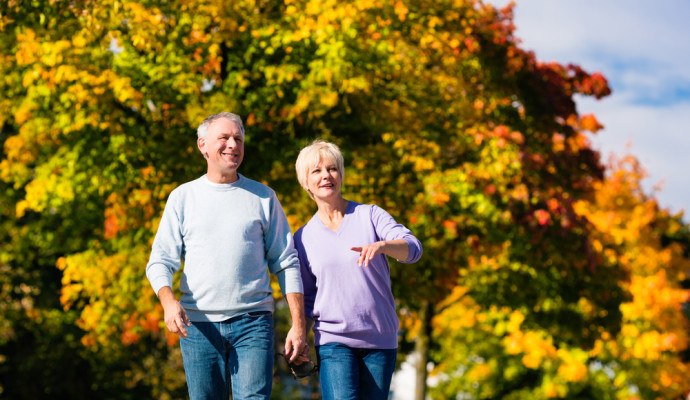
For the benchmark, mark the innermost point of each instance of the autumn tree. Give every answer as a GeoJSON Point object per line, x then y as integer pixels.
{"type": "Point", "coordinates": [645, 358]}
{"type": "Point", "coordinates": [443, 119]}
{"type": "Point", "coordinates": [648, 356]}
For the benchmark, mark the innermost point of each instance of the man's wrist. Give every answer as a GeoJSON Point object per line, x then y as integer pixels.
{"type": "Point", "coordinates": [166, 296]}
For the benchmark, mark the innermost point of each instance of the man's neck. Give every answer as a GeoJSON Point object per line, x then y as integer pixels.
{"type": "Point", "coordinates": [219, 177]}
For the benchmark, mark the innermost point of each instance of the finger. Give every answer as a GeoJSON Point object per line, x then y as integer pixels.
{"type": "Point", "coordinates": [367, 257]}
{"type": "Point", "coordinates": [360, 258]}
{"type": "Point", "coordinates": [305, 352]}
{"type": "Point", "coordinates": [172, 327]}
{"type": "Point", "coordinates": [297, 351]}
{"type": "Point", "coordinates": [294, 354]}
{"type": "Point", "coordinates": [288, 347]}
{"type": "Point", "coordinates": [180, 327]}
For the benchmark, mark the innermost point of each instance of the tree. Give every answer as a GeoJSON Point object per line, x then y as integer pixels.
{"type": "Point", "coordinates": [442, 118]}
{"type": "Point", "coordinates": [497, 352]}
{"type": "Point", "coordinates": [648, 357]}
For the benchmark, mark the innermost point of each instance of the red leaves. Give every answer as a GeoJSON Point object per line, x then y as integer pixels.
{"type": "Point", "coordinates": [556, 84]}
{"type": "Point", "coordinates": [542, 216]}
{"type": "Point", "coordinates": [595, 85]}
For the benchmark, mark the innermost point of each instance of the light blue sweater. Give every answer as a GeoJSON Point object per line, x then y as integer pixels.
{"type": "Point", "coordinates": [229, 236]}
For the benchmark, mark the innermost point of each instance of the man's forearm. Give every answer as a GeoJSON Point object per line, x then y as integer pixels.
{"type": "Point", "coordinates": [166, 295]}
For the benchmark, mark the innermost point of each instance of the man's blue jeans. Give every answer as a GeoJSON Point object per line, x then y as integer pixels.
{"type": "Point", "coordinates": [350, 373]}
{"type": "Point", "coordinates": [239, 350]}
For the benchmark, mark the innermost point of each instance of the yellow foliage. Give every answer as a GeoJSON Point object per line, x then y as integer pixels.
{"type": "Point", "coordinates": [516, 318]}
{"type": "Point", "coordinates": [79, 41]}
{"type": "Point", "coordinates": [479, 372]}
{"type": "Point", "coordinates": [572, 372]}
{"type": "Point", "coordinates": [553, 389]}
{"type": "Point", "coordinates": [28, 51]}
{"type": "Point", "coordinates": [36, 194]}
{"type": "Point", "coordinates": [513, 343]}
{"type": "Point", "coordinates": [410, 323]}
{"type": "Point", "coordinates": [423, 164]}
{"type": "Point", "coordinates": [532, 359]}
{"type": "Point", "coordinates": [572, 366]}
{"type": "Point", "coordinates": [329, 99]}
{"type": "Point", "coordinates": [401, 10]}
{"type": "Point", "coordinates": [628, 225]}
{"type": "Point", "coordinates": [535, 347]}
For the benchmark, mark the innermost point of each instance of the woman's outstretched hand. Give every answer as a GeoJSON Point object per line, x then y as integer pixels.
{"type": "Point", "coordinates": [367, 253]}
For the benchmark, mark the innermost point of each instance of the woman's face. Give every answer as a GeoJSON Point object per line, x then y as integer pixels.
{"type": "Point", "coordinates": [324, 180]}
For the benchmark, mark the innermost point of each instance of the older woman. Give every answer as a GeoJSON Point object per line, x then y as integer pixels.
{"type": "Point", "coordinates": [346, 276]}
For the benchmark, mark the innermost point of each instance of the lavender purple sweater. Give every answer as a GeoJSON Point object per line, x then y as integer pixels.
{"type": "Point", "coordinates": [349, 304]}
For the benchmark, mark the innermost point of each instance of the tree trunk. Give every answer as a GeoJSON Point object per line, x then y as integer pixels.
{"type": "Point", "coordinates": [422, 350]}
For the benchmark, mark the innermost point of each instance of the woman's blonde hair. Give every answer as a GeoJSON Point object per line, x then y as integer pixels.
{"type": "Point", "coordinates": [312, 155]}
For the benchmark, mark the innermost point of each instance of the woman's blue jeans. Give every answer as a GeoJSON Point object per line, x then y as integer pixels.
{"type": "Point", "coordinates": [237, 351]}
{"type": "Point", "coordinates": [350, 373]}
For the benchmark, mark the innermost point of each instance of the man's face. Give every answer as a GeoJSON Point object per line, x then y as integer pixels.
{"type": "Point", "coordinates": [223, 147]}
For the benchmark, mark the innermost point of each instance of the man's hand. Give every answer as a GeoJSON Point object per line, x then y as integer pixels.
{"type": "Point", "coordinates": [296, 346]}
{"type": "Point", "coordinates": [174, 315]}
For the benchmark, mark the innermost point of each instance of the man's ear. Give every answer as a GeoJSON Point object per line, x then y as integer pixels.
{"type": "Point", "coordinates": [201, 144]}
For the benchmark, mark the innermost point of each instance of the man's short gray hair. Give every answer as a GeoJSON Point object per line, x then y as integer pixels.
{"type": "Point", "coordinates": [202, 130]}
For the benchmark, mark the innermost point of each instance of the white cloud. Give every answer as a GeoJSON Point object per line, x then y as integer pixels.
{"type": "Point", "coordinates": [658, 136]}
{"type": "Point", "coordinates": [642, 48]}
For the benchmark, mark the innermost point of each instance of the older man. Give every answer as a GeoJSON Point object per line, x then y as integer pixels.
{"type": "Point", "coordinates": [228, 229]}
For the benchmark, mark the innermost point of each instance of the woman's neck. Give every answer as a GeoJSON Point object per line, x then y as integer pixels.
{"type": "Point", "coordinates": [331, 212]}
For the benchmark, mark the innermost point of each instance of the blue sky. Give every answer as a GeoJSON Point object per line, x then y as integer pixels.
{"type": "Point", "coordinates": [643, 48]}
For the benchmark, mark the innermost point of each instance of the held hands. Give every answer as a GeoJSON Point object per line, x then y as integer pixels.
{"type": "Point", "coordinates": [367, 253]}
{"type": "Point", "coordinates": [296, 346]}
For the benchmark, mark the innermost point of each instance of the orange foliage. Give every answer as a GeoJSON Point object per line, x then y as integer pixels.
{"type": "Point", "coordinates": [654, 330]}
